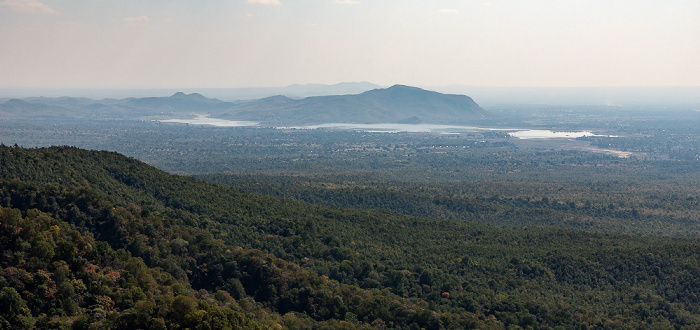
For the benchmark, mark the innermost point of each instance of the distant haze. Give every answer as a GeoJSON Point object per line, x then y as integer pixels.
{"type": "Point", "coordinates": [603, 96]}
{"type": "Point", "coordinates": [484, 96]}
{"type": "Point", "coordinates": [178, 45]}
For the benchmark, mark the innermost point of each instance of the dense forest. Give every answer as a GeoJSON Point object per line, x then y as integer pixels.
{"type": "Point", "coordinates": [94, 239]}
{"type": "Point", "coordinates": [659, 208]}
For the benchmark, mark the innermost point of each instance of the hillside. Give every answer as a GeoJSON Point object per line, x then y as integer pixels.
{"type": "Point", "coordinates": [396, 104]}
{"type": "Point", "coordinates": [62, 108]}
{"type": "Point", "coordinates": [269, 261]}
{"type": "Point", "coordinates": [622, 207]}
{"type": "Point", "coordinates": [15, 108]}
{"type": "Point", "coordinates": [178, 102]}
{"type": "Point", "coordinates": [59, 278]}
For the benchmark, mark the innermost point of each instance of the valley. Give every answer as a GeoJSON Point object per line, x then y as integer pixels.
{"type": "Point", "coordinates": [349, 164]}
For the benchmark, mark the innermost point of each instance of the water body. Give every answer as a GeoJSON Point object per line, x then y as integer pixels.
{"type": "Point", "coordinates": [205, 120]}
{"type": "Point", "coordinates": [547, 134]}
{"type": "Point", "coordinates": [395, 128]}
{"type": "Point", "coordinates": [391, 128]}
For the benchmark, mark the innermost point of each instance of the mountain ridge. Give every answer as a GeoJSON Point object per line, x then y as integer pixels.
{"type": "Point", "coordinates": [16, 108]}
{"type": "Point", "coordinates": [396, 104]}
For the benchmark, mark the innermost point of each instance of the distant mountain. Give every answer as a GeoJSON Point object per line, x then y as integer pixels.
{"type": "Point", "coordinates": [180, 102]}
{"type": "Point", "coordinates": [293, 91]}
{"type": "Point", "coordinates": [397, 104]}
{"type": "Point", "coordinates": [15, 108]}
{"type": "Point", "coordinates": [64, 101]}
{"type": "Point", "coordinates": [342, 88]}
{"type": "Point", "coordinates": [71, 107]}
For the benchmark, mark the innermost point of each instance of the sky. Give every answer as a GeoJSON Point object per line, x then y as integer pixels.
{"type": "Point", "coordinates": [265, 43]}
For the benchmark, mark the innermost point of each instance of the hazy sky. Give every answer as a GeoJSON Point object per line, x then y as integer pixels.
{"type": "Point", "coordinates": [245, 43]}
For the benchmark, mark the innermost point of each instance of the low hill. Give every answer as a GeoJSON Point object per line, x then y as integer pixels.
{"type": "Point", "coordinates": [16, 108]}
{"type": "Point", "coordinates": [396, 104]}
{"type": "Point", "coordinates": [306, 90]}
{"type": "Point", "coordinates": [177, 104]}
{"type": "Point", "coordinates": [242, 257]}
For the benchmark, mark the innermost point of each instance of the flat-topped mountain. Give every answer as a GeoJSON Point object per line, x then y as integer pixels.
{"type": "Point", "coordinates": [396, 104]}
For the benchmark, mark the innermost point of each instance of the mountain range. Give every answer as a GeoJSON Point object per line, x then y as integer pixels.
{"type": "Point", "coordinates": [397, 104]}
{"type": "Point", "coordinates": [177, 104]}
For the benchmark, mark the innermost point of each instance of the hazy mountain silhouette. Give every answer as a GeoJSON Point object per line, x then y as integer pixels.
{"type": "Point", "coordinates": [180, 102]}
{"type": "Point", "coordinates": [15, 108]}
{"type": "Point", "coordinates": [396, 104]}
{"type": "Point", "coordinates": [71, 107]}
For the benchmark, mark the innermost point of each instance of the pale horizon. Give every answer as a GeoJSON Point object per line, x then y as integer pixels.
{"type": "Point", "coordinates": [49, 44]}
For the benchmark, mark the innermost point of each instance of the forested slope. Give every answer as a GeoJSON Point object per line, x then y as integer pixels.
{"type": "Point", "coordinates": [54, 276]}
{"type": "Point", "coordinates": [264, 261]}
{"type": "Point", "coordinates": [665, 208]}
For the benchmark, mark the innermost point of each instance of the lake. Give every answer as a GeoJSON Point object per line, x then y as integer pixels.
{"type": "Point", "coordinates": [205, 120]}
{"type": "Point", "coordinates": [547, 134]}
{"type": "Point", "coordinates": [392, 128]}
{"type": "Point", "coordinates": [395, 128]}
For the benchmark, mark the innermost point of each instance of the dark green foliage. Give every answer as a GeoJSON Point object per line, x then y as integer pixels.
{"type": "Point", "coordinates": [171, 251]}
{"type": "Point", "coordinates": [659, 208]}
{"type": "Point", "coordinates": [87, 283]}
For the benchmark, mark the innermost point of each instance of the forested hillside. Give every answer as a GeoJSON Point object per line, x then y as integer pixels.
{"type": "Point", "coordinates": [96, 239]}
{"type": "Point", "coordinates": [597, 205]}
